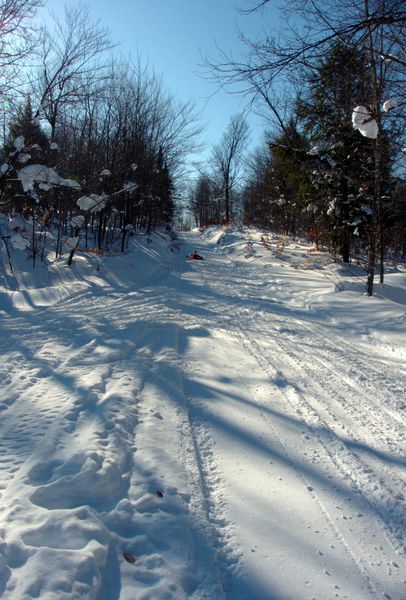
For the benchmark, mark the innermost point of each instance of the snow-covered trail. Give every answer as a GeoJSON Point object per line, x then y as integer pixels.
{"type": "Point", "coordinates": [95, 449]}
{"type": "Point", "coordinates": [323, 409]}
{"type": "Point", "coordinates": [197, 416]}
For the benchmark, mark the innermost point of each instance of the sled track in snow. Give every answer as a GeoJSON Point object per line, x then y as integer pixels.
{"type": "Point", "coordinates": [308, 404]}
{"type": "Point", "coordinates": [346, 397]}
{"type": "Point", "coordinates": [206, 483]}
{"type": "Point", "coordinates": [336, 441]}
{"type": "Point", "coordinates": [344, 352]}
{"type": "Point", "coordinates": [372, 488]}
{"type": "Point", "coordinates": [372, 586]}
{"type": "Point", "coordinates": [347, 402]}
{"type": "Point", "coordinates": [343, 357]}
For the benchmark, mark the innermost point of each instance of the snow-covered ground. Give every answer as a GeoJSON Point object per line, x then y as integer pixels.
{"type": "Point", "coordinates": [225, 429]}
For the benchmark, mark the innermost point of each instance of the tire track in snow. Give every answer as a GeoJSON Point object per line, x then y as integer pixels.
{"type": "Point", "coordinates": [337, 434]}
{"type": "Point", "coordinates": [208, 501]}
{"type": "Point", "coordinates": [207, 479]}
{"type": "Point", "coordinates": [341, 458]}
{"type": "Point", "coordinates": [348, 401]}
{"type": "Point", "coordinates": [212, 482]}
{"type": "Point", "coordinates": [365, 556]}
{"type": "Point", "coordinates": [232, 325]}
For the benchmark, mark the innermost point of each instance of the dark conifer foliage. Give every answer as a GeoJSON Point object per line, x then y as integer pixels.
{"type": "Point", "coordinates": [23, 124]}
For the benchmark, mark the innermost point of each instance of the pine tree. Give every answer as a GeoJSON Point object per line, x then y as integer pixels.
{"type": "Point", "coordinates": [345, 158]}
{"type": "Point", "coordinates": [24, 125]}
{"type": "Point", "coordinates": [286, 179]}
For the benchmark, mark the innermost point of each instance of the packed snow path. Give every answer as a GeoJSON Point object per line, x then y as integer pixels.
{"type": "Point", "coordinates": [178, 429]}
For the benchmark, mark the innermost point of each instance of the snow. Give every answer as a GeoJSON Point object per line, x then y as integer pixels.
{"type": "Point", "coordinates": [94, 203]}
{"type": "Point", "coordinates": [389, 104]}
{"type": "Point", "coordinates": [363, 121]}
{"type": "Point", "coordinates": [78, 221]}
{"type": "Point", "coordinates": [18, 241]}
{"type": "Point", "coordinates": [45, 176]}
{"type": "Point", "coordinates": [225, 429]}
{"type": "Point", "coordinates": [72, 242]}
{"type": "Point", "coordinates": [24, 157]}
{"type": "Point", "coordinates": [19, 143]}
{"type": "Point", "coordinates": [130, 186]}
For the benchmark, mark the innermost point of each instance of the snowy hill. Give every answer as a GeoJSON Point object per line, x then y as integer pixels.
{"type": "Point", "coordinates": [225, 429]}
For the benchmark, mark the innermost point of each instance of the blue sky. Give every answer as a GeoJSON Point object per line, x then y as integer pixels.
{"type": "Point", "coordinates": [172, 36]}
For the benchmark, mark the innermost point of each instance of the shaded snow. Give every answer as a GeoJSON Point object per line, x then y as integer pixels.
{"type": "Point", "coordinates": [45, 176]}
{"type": "Point", "coordinates": [94, 202]}
{"type": "Point", "coordinates": [232, 428]}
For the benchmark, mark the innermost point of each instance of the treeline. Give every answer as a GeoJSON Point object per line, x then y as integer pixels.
{"type": "Point", "coordinates": [332, 165]}
{"type": "Point", "coordinates": [317, 176]}
{"type": "Point", "coordinates": [81, 125]}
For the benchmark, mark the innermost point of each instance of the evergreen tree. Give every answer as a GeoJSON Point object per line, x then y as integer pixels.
{"type": "Point", "coordinates": [345, 167]}
{"type": "Point", "coordinates": [277, 194]}
{"type": "Point", "coordinates": [23, 124]}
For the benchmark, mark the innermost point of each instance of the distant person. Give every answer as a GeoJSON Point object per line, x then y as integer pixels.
{"type": "Point", "coordinates": [195, 256]}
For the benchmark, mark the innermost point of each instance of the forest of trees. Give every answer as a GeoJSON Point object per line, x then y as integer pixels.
{"type": "Point", "coordinates": [91, 143]}
{"type": "Point", "coordinates": [331, 84]}
{"type": "Point", "coordinates": [95, 146]}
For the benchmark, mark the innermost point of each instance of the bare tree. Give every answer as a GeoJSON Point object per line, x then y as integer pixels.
{"type": "Point", "coordinates": [227, 158]}
{"type": "Point", "coordinates": [376, 27]}
{"type": "Point", "coordinates": [17, 40]}
{"type": "Point", "coordinates": [16, 31]}
{"type": "Point", "coordinates": [74, 61]}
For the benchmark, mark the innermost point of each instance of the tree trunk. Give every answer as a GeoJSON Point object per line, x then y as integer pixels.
{"type": "Point", "coordinates": [375, 215]}
{"type": "Point", "coordinates": [227, 207]}
{"type": "Point", "coordinates": [345, 235]}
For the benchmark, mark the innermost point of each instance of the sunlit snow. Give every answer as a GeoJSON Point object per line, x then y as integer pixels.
{"type": "Point", "coordinates": [363, 121]}
{"type": "Point", "coordinates": [225, 429]}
